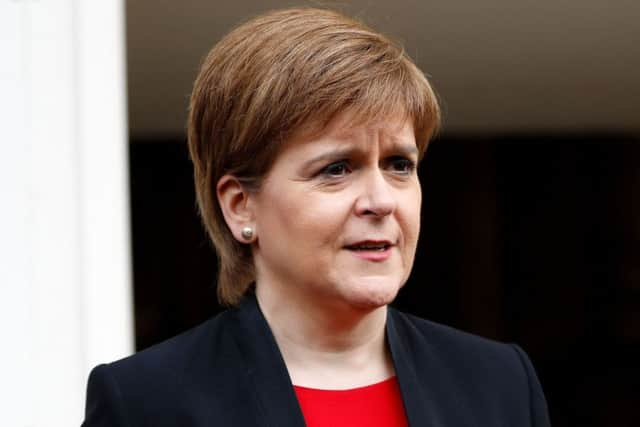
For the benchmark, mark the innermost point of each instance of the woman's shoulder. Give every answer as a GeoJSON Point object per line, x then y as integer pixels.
{"type": "Point", "coordinates": [159, 382]}
{"type": "Point", "coordinates": [415, 328]}
{"type": "Point", "coordinates": [460, 351]}
{"type": "Point", "coordinates": [494, 381]}
{"type": "Point", "coordinates": [178, 352]}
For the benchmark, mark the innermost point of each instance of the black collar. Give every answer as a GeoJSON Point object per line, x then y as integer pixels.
{"type": "Point", "coordinates": [272, 386]}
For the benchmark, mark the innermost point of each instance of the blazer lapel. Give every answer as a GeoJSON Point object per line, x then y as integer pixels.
{"type": "Point", "coordinates": [419, 399]}
{"type": "Point", "coordinates": [265, 368]}
{"type": "Point", "coordinates": [273, 392]}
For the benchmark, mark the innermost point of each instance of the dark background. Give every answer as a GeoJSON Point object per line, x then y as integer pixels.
{"type": "Point", "coordinates": [527, 238]}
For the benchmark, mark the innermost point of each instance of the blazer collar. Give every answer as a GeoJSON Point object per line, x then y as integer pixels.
{"type": "Point", "coordinates": [273, 389]}
{"type": "Point", "coordinates": [265, 368]}
{"type": "Point", "coordinates": [420, 401]}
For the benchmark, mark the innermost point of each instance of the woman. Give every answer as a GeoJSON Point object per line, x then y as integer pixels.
{"type": "Point", "coordinates": [305, 130]}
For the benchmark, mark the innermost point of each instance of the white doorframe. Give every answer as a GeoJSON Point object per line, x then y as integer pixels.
{"type": "Point", "coordinates": [65, 264]}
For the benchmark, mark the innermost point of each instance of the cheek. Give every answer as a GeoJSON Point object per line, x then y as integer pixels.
{"type": "Point", "coordinates": [323, 217]}
{"type": "Point", "coordinates": [411, 230]}
{"type": "Point", "coordinates": [313, 220]}
{"type": "Point", "coordinates": [411, 207]}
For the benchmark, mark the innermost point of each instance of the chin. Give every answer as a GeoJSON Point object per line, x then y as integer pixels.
{"type": "Point", "coordinates": [373, 294]}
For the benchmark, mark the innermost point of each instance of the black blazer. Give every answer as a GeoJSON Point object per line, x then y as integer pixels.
{"type": "Point", "coordinates": [229, 372]}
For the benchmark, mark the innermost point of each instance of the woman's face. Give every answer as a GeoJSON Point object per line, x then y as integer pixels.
{"type": "Point", "coordinates": [338, 215]}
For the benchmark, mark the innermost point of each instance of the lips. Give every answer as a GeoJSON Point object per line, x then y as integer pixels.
{"type": "Point", "coordinates": [371, 250]}
{"type": "Point", "coordinates": [370, 245]}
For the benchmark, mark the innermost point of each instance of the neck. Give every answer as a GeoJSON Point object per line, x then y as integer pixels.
{"type": "Point", "coordinates": [327, 346]}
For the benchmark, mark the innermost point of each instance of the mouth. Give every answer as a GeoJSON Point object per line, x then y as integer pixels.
{"type": "Point", "coordinates": [370, 246]}
{"type": "Point", "coordinates": [371, 250]}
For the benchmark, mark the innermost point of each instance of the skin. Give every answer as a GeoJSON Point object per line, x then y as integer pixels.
{"type": "Point", "coordinates": [324, 301]}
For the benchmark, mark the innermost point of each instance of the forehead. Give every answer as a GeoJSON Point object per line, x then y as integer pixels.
{"type": "Point", "coordinates": [395, 130]}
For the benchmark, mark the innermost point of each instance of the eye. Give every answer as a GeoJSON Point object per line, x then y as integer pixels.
{"type": "Point", "coordinates": [401, 165]}
{"type": "Point", "coordinates": [336, 169]}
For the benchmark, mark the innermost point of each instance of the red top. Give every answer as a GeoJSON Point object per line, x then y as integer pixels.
{"type": "Point", "coordinates": [375, 405]}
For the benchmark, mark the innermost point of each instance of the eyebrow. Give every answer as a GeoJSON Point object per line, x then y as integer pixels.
{"type": "Point", "coordinates": [398, 148]}
{"type": "Point", "coordinates": [405, 149]}
{"type": "Point", "coordinates": [338, 153]}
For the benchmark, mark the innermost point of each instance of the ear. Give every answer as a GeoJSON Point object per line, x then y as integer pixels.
{"type": "Point", "coordinates": [236, 208]}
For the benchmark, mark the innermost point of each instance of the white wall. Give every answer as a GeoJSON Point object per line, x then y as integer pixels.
{"type": "Point", "coordinates": [499, 65]}
{"type": "Point", "coordinates": [65, 291]}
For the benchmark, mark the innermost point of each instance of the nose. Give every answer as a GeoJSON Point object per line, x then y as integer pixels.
{"type": "Point", "coordinates": [377, 197]}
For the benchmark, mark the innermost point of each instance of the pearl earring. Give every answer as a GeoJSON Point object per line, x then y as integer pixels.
{"type": "Point", "coordinates": [247, 233]}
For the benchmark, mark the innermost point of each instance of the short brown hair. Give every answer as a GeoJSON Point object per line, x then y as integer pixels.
{"type": "Point", "coordinates": [274, 75]}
